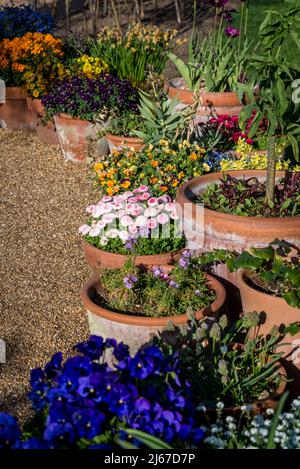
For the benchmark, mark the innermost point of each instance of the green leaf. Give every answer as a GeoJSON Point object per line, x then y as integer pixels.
{"type": "Point", "coordinates": [263, 253]}
{"type": "Point", "coordinates": [149, 440]}
{"type": "Point", "coordinates": [291, 298]}
{"type": "Point", "coordinates": [271, 443]}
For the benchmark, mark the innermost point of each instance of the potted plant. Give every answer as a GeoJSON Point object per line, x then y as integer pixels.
{"type": "Point", "coordinates": [80, 105]}
{"type": "Point", "coordinates": [134, 302]}
{"type": "Point", "coordinates": [142, 48]}
{"type": "Point", "coordinates": [120, 132]}
{"type": "Point", "coordinates": [15, 22]}
{"type": "Point", "coordinates": [214, 69]}
{"type": "Point", "coordinates": [38, 55]}
{"type": "Point", "coordinates": [270, 283]}
{"type": "Point", "coordinates": [162, 167]}
{"type": "Point", "coordinates": [14, 114]}
{"type": "Point", "coordinates": [226, 370]}
{"type": "Point", "coordinates": [261, 209]}
{"type": "Point", "coordinates": [134, 220]}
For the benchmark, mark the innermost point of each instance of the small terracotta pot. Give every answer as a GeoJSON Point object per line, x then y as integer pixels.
{"type": "Point", "coordinates": [259, 406]}
{"type": "Point", "coordinates": [137, 330]}
{"type": "Point", "coordinates": [275, 312]}
{"type": "Point", "coordinates": [212, 104]}
{"type": "Point", "coordinates": [46, 133]}
{"type": "Point", "coordinates": [115, 141]}
{"type": "Point", "coordinates": [73, 136]}
{"type": "Point", "coordinates": [99, 259]}
{"type": "Point", "coordinates": [14, 114]}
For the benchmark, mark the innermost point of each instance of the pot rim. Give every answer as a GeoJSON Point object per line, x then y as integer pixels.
{"type": "Point", "coordinates": [62, 115]}
{"type": "Point", "coordinates": [182, 198]}
{"type": "Point", "coordinates": [133, 320]}
{"type": "Point", "coordinates": [124, 256]}
{"type": "Point", "coordinates": [124, 138]}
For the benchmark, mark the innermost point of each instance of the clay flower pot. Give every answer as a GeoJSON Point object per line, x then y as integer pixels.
{"type": "Point", "coordinates": [217, 230]}
{"type": "Point", "coordinates": [137, 330]}
{"type": "Point", "coordinates": [46, 133]}
{"type": "Point", "coordinates": [118, 142]}
{"type": "Point", "coordinates": [211, 104]}
{"type": "Point", "coordinates": [275, 312]}
{"type": "Point", "coordinates": [73, 135]}
{"type": "Point", "coordinates": [14, 114]}
{"type": "Point", "coordinates": [99, 259]}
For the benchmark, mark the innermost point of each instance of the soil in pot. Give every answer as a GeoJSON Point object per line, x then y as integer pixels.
{"type": "Point", "coordinates": [14, 114]}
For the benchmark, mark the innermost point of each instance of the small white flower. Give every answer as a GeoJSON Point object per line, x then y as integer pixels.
{"type": "Point", "coordinates": [84, 229]}
{"type": "Point", "coordinates": [123, 235]}
{"type": "Point", "coordinates": [95, 231]}
{"type": "Point", "coordinates": [270, 411]}
{"type": "Point", "coordinates": [112, 233]}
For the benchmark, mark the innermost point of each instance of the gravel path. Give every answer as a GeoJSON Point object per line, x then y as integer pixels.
{"type": "Point", "coordinates": [41, 263]}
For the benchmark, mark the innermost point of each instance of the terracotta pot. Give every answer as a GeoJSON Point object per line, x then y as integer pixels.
{"type": "Point", "coordinates": [115, 141]}
{"type": "Point", "coordinates": [99, 259]}
{"type": "Point", "coordinates": [212, 104]}
{"type": "Point", "coordinates": [275, 312]}
{"type": "Point", "coordinates": [259, 406]}
{"type": "Point", "coordinates": [215, 230]}
{"type": "Point", "coordinates": [14, 114]}
{"type": "Point", "coordinates": [73, 136]}
{"type": "Point", "coordinates": [137, 330]}
{"type": "Point", "coordinates": [46, 133]}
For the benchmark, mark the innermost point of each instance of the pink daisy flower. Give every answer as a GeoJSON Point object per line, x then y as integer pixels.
{"type": "Point", "coordinates": [162, 218]}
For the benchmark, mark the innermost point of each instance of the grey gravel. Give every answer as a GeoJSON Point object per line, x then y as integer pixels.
{"type": "Point", "coordinates": [42, 266]}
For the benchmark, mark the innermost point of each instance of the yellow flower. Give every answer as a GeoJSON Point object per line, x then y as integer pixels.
{"type": "Point", "coordinates": [154, 163]}
{"type": "Point", "coordinates": [110, 183]}
{"type": "Point", "coordinates": [206, 168]}
{"type": "Point", "coordinates": [98, 166]}
{"type": "Point", "coordinates": [175, 183]}
{"type": "Point", "coordinates": [193, 156]}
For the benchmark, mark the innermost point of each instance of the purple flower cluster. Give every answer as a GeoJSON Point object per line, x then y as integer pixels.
{"type": "Point", "coordinates": [84, 398]}
{"type": "Point", "coordinates": [184, 261]}
{"type": "Point", "coordinates": [129, 281]}
{"type": "Point", "coordinates": [85, 98]}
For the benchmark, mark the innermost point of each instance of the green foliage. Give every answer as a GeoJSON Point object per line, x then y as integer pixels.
{"type": "Point", "coordinates": [275, 269]}
{"type": "Point", "coordinates": [123, 126]}
{"type": "Point", "coordinates": [161, 121]}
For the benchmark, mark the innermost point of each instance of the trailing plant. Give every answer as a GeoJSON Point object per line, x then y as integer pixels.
{"type": "Point", "coordinates": [271, 67]}
{"type": "Point", "coordinates": [246, 197]}
{"type": "Point", "coordinates": [158, 292]}
{"type": "Point", "coordinates": [134, 221]}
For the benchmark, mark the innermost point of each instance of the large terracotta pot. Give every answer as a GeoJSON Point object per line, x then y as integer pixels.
{"type": "Point", "coordinates": [99, 259]}
{"type": "Point", "coordinates": [115, 141]}
{"type": "Point", "coordinates": [211, 104]}
{"type": "Point", "coordinates": [275, 312]}
{"type": "Point", "coordinates": [46, 133]}
{"type": "Point", "coordinates": [73, 135]}
{"type": "Point", "coordinates": [215, 230]}
{"type": "Point", "coordinates": [137, 330]}
{"type": "Point", "coordinates": [14, 114]}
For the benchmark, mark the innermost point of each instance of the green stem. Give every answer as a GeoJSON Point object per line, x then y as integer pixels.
{"type": "Point", "coordinates": [271, 170]}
